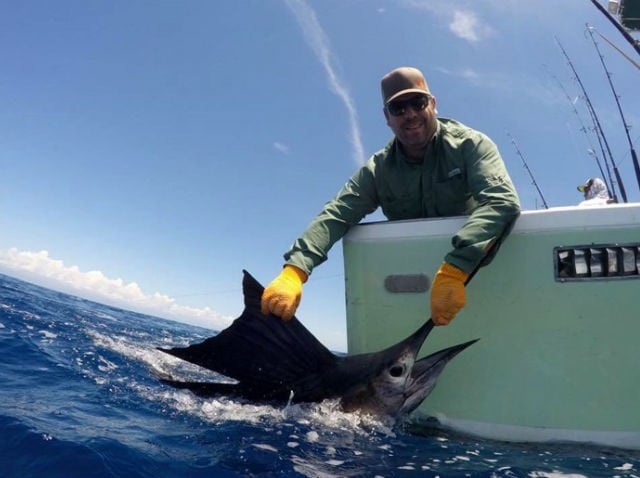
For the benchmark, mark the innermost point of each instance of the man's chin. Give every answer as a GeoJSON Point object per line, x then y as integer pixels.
{"type": "Point", "coordinates": [414, 142]}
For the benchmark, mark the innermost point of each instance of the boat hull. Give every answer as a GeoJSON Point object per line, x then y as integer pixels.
{"type": "Point", "coordinates": [558, 356]}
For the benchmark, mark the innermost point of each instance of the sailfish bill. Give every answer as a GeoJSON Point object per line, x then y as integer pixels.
{"type": "Point", "coordinates": [274, 360]}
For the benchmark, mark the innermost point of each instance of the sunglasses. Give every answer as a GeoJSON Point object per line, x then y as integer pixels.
{"type": "Point", "coordinates": [398, 108]}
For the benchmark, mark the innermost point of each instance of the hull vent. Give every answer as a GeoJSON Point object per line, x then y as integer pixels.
{"type": "Point", "coordinates": [597, 262]}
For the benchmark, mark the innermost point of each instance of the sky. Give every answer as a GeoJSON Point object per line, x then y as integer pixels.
{"type": "Point", "coordinates": [152, 150]}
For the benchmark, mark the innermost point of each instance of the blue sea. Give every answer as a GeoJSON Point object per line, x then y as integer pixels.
{"type": "Point", "coordinates": [79, 398]}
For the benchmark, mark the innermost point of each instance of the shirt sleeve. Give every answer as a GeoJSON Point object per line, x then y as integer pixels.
{"type": "Point", "coordinates": [353, 202]}
{"type": "Point", "coordinates": [498, 205]}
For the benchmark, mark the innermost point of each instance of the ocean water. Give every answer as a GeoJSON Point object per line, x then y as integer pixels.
{"type": "Point", "coordinates": [79, 398]}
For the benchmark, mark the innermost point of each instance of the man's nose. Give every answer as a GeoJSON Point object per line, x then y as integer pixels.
{"type": "Point", "coordinates": [409, 111]}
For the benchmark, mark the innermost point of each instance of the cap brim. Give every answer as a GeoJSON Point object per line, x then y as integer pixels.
{"type": "Point", "coordinates": [581, 188]}
{"type": "Point", "coordinates": [404, 92]}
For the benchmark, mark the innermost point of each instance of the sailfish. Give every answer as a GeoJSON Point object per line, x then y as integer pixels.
{"type": "Point", "coordinates": [278, 361]}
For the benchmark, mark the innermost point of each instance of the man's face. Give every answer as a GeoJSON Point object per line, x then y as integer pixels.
{"type": "Point", "coordinates": [414, 122]}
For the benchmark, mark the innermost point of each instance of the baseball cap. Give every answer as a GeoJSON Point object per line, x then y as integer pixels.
{"type": "Point", "coordinates": [586, 185]}
{"type": "Point", "coordinates": [401, 81]}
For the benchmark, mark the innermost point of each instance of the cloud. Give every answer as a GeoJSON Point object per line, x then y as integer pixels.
{"type": "Point", "coordinates": [465, 25]}
{"type": "Point", "coordinates": [462, 22]}
{"type": "Point", "coordinates": [515, 85]}
{"type": "Point", "coordinates": [283, 148]}
{"type": "Point", "coordinates": [319, 43]}
{"type": "Point", "coordinates": [468, 74]}
{"type": "Point", "coordinates": [39, 268]}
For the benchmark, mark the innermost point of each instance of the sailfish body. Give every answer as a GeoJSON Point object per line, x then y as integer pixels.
{"type": "Point", "coordinates": [275, 360]}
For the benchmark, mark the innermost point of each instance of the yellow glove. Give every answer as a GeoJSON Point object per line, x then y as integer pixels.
{"type": "Point", "coordinates": [282, 296]}
{"type": "Point", "coordinates": [447, 294]}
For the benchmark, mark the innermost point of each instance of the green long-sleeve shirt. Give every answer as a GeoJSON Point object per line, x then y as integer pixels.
{"type": "Point", "coordinates": [462, 174]}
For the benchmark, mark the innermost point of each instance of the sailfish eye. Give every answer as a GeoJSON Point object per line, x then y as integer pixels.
{"type": "Point", "coordinates": [396, 371]}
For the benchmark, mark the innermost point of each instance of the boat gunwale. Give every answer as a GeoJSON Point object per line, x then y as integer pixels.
{"type": "Point", "coordinates": [530, 221]}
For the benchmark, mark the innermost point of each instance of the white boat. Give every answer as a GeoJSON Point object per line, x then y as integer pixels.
{"type": "Point", "coordinates": [556, 312]}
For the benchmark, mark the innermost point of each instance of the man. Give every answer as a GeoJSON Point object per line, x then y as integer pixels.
{"type": "Point", "coordinates": [595, 193]}
{"type": "Point", "coordinates": [433, 167]}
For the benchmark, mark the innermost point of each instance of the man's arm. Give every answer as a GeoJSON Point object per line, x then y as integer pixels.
{"type": "Point", "coordinates": [353, 202]}
{"type": "Point", "coordinates": [480, 237]}
{"type": "Point", "coordinates": [498, 206]}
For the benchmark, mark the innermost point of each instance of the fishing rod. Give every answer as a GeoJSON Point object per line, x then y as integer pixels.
{"type": "Point", "coordinates": [606, 177]}
{"type": "Point", "coordinates": [526, 166]}
{"type": "Point", "coordinates": [632, 41]}
{"type": "Point", "coordinates": [627, 57]}
{"type": "Point", "coordinates": [634, 156]}
{"type": "Point", "coordinates": [602, 139]}
{"type": "Point", "coordinates": [597, 124]}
